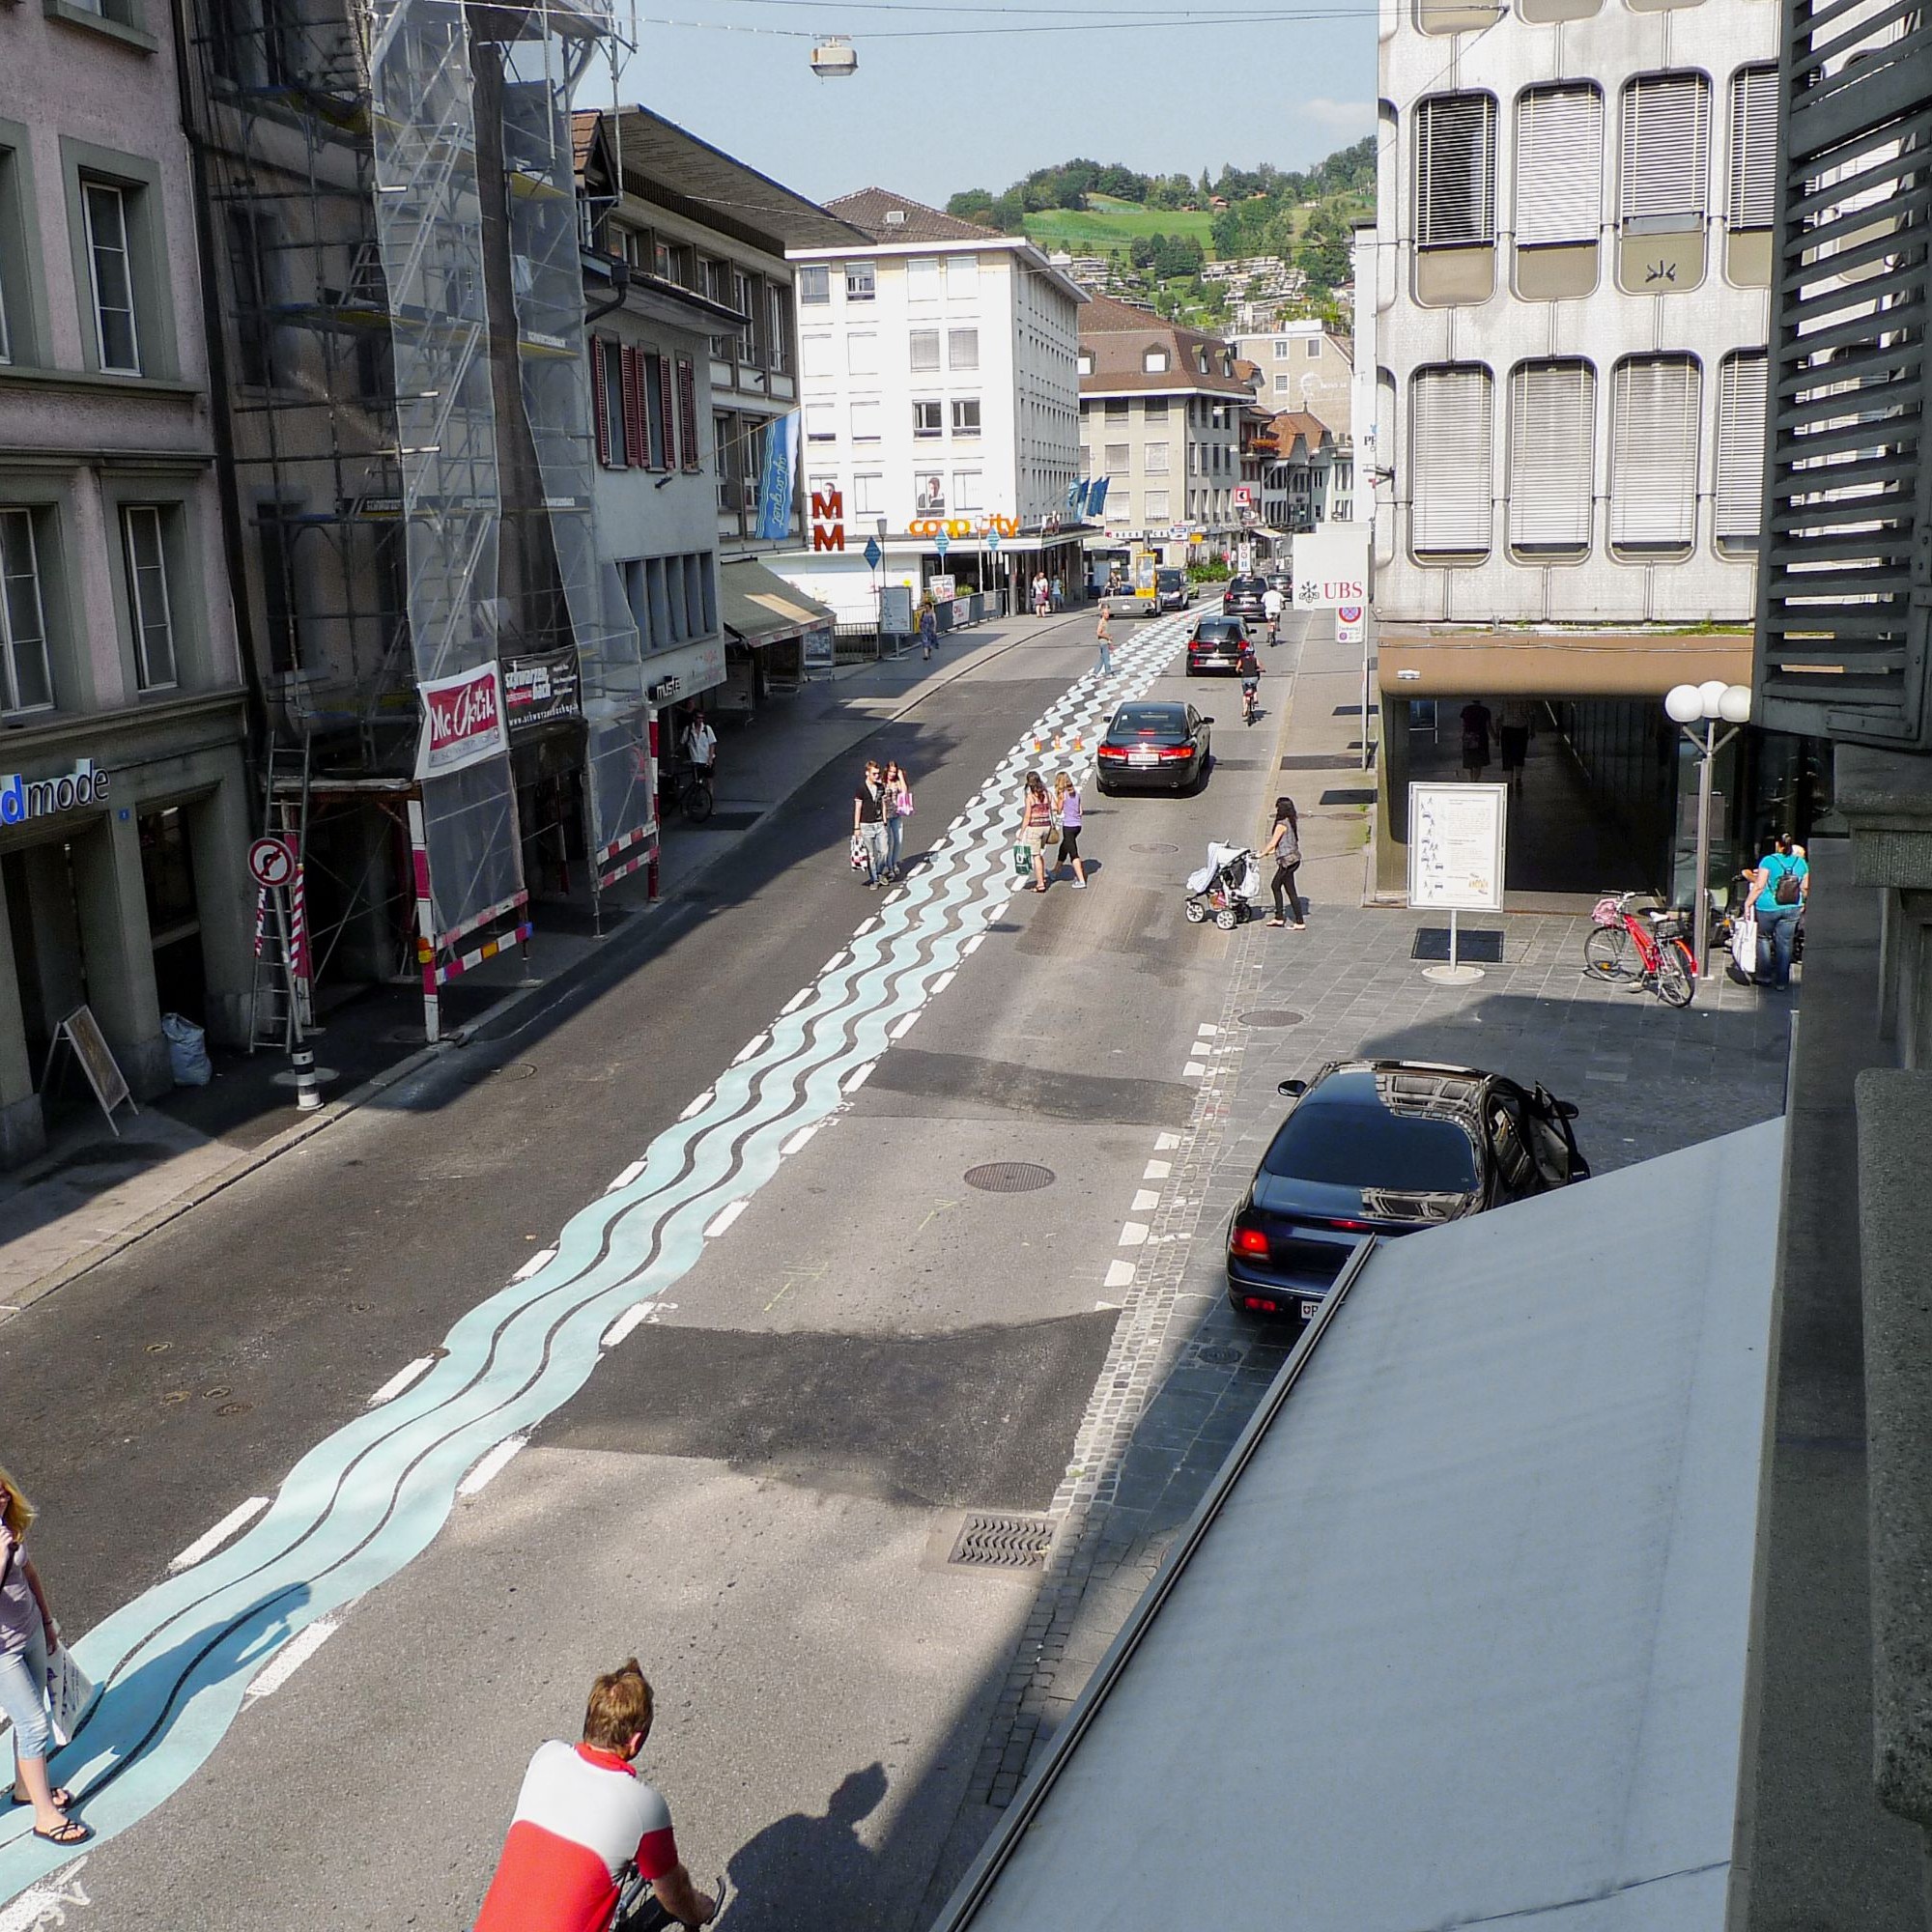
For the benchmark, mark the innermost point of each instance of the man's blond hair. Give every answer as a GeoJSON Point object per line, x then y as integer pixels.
{"type": "Point", "coordinates": [619, 1707]}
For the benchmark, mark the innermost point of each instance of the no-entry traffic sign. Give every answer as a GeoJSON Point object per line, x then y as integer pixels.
{"type": "Point", "coordinates": [271, 863]}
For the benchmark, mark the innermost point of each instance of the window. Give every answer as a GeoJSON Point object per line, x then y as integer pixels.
{"type": "Point", "coordinates": [1283, 349]}
{"type": "Point", "coordinates": [966, 490]}
{"type": "Point", "coordinates": [925, 350]}
{"type": "Point", "coordinates": [1312, 349]}
{"type": "Point", "coordinates": [866, 420]}
{"type": "Point", "coordinates": [1154, 362]}
{"type": "Point", "coordinates": [687, 414]}
{"type": "Point", "coordinates": [862, 355]}
{"type": "Point", "coordinates": [743, 298]}
{"type": "Point", "coordinates": [962, 348]}
{"type": "Point", "coordinates": [926, 417]}
{"type": "Point", "coordinates": [1753, 186]}
{"type": "Point", "coordinates": [814, 286]}
{"type": "Point", "coordinates": [1116, 408]}
{"type": "Point", "coordinates": [869, 492]}
{"type": "Point", "coordinates": [1741, 407]}
{"type": "Point", "coordinates": [966, 415]}
{"type": "Point", "coordinates": [1154, 459]}
{"type": "Point", "coordinates": [147, 605]}
{"type": "Point", "coordinates": [606, 401]}
{"type": "Point", "coordinates": [1666, 153]}
{"type": "Point", "coordinates": [962, 277]}
{"type": "Point", "coordinates": [1559, 165]}
{"type": "Point", "coordinates": [1552, 441]}
{"type": "Point", "coordinates": [921, 273]}
{"type": "Point", "coordinates": [1154, 506]}
{"type": "Point", "coordinates": [651, 416]}
{"type": "Point", "coordinates": [1449, 462]}
{"type": "Point", "coordinates": [777, 321]}
{"type": "Point", "coordinates": [928, 494]}
{"type": "Point", "coordinates": [1084, 363]}
{"type": "Point", "coordinates": [1654, 455]}
{"type": "Point", "coordinates": [1116, 454]}
{"type": "Point", "coordinates": [1456, 170]}
{"type": "Point", "coordinates": [117, 340]}
{"type": "Point", "coordinates": [1284, 385]}
{"type": "Point", "coordinates": [1154, 409]}
{"type": "Point", "coordinates": [822, 425]}
{"type": "Point", "coordinates": [815, 355]}
{"type": "Point", "coordinates": [860, 284]}
{"type": "Point", "coordinates": [724, 458]}
{"type": "Point", "coordinates": [23, 624]}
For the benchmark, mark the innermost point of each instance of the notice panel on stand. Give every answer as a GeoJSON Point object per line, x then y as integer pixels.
{"type": "Point", "coordinates": [1456, 834]}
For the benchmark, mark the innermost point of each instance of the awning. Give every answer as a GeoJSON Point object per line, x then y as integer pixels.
{"type": "Point", "coordinates": [761, 608]}
{"type": "Point", "coordinates": [1557, 663]}
{"type": "Point", "coordinates": [1459, 1638]}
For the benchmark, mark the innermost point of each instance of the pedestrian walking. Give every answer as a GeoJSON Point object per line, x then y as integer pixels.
{"type": "Point", "coordinates": [28, 1637]}
{"type": "Point", "coordinates": [1067, 813]}
{"type": "Point", "coordinates": [1517, 720]}
{"type": "Point", "coordinates": [1104, 638]}
{"type": "Point", "coordinates": [1042, 595]}
{"type": "Point", "coordinates": [1476, 720]}
{"type": "Point", "coordinates": [1284, 847]}
{"type": "Point", "coordinates": [928, 628]}
{"type": "Point", "coordinates": [899, 808]}
{"type": "Point", "coordinates": [869, 822]}
{"type": "Point", "coordinates": [1780, 887]}
{"type": "Point", "coordinates": [1036, 827]}
{"type": "Point", "coordinates": [1059, 595]}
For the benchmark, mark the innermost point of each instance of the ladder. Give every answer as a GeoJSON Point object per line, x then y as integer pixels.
{"type": "Point", "coordinates": [278, 984]}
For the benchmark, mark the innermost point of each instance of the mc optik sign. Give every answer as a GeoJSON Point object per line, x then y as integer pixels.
{"type": "Point", "coordinates": [21, 799]}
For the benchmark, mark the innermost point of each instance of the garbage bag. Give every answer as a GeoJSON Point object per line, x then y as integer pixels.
{"type": "Point", "coordinates": [187, 1051]}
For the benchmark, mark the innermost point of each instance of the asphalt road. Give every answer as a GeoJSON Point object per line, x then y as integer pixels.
{"type": "Point", "coordinates": [755, 1489]}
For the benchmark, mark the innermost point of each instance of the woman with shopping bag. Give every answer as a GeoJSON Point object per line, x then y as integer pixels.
{"type": "Point", "coordinates": [29, 1643]}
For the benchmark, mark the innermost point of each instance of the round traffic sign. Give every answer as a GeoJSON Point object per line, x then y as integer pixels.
{"type": "Point", "coordinates": [1348, 613]}
{"type": "Point", "coordinates": [272, 862]}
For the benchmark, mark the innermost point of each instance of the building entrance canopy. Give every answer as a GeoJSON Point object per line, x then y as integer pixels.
{"type": "Point", "coordinates": [761, 608]}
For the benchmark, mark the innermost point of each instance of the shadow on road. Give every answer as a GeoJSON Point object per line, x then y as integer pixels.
{"type": "Point", "coordinates": [810, 1869]}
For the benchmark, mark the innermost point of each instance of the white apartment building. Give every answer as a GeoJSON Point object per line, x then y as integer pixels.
{"type": "Point", "coordinates": [937, 375]}
{"type": "Point", "coordinates": [1306, 366]}
{"type": "Point", "coordinates": [1570, 310]}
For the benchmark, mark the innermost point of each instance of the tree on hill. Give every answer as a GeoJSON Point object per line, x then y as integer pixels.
{"type": "Point", "coordinates": [971, 204]}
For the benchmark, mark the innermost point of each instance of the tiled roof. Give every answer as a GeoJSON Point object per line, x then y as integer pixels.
{"type": "Point", "coordinates": [869, 209]}
{"type": "Point", "coordinates": [1118, 338]}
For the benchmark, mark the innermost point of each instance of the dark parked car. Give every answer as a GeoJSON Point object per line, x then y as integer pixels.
{"type": "Point", "coordinates": [1243, 596]}
{"type": "Point", "coordinates": [1172, 589]}
{"type": "Point", "coordinates": [1218, 645]}
{"type": "Point", "coordinates": [1153, 747]}
{"type": "Point", "coordinates": [1385, 1147]}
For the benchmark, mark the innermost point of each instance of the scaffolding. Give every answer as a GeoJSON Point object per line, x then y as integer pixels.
{"type": "Point", "coordinates": [410, 417]}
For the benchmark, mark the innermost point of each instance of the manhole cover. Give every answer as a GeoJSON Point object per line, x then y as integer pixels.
{"type": "Point", "coordinates": [1473, 948]}
{"type": "Point", "coordinates": [1272, 1017]}
{"type": "Point", "coordinates": [997, 1542]}
{"type": "Point", "coordinates": [1154, 845]}
{"type": "Point", "coordinates": [1009, 1176]}
{"type": "Point", "coordinates": [1218, 1357]}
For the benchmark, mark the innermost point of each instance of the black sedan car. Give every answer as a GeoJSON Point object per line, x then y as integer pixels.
{"type": "Point", "coordinates": [1385, 1147]}
{"type": "Point", "coordinates": [1218, 645]}
{"type": "Point", "coordinates": [1243, 597]}
{"type": "Point", "coordinates": [1152, 748]}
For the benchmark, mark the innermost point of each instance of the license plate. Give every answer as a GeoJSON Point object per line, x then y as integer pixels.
{"type": "Point", "coordinates": [1309, 1310]}
{"type": "Point", "coordinates": [1143, 759]}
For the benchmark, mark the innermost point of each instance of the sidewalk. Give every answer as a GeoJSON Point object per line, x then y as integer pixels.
{"type": "Point", "coordinates": [92, 1192]}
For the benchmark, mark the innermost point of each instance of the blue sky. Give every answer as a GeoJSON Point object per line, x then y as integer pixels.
{"type": "Point", "coordinates": [927, 116]}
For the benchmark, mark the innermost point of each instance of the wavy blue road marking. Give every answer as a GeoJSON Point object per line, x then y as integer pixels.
{"type": "Point", "coordinates": [175, 1663]}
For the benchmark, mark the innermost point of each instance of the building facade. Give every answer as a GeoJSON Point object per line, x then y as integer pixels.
{"type": "Point", "coordinates": [937, 371]}
{"type": "Point", "coordinates": [1161, 421]}
{"type": "Point", "coordinates": [1304, 365]}
{"type": "Point", "coordinates": [1570, 286]}
{"type": "Point", "coordinates": [125, 807]}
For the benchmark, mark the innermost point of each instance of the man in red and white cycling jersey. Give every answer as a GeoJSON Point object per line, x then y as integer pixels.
{"type": "Point", "coordinates": [582, 1816]}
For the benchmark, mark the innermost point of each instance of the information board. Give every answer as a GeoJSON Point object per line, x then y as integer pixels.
{"type": "Point", "coordinates": [81, 1031]}
{"type": "Point", "coordinates": [1456, 833]}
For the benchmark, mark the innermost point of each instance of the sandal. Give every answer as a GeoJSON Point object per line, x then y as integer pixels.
{"type": "Point", "coordinates": [70, 1832]}
{"type": "Point", "coordinates": [1277, 922]}
{"type": "Point", "coordinates": [59, 1798]}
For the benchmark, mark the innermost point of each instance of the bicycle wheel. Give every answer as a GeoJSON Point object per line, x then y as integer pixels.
{"type": "Point", "coordinates": [698, 801]}
{"type": "Point", "coordinates": [1610, 954]}
{"type": "Point", "coordinates": [1676, 975]}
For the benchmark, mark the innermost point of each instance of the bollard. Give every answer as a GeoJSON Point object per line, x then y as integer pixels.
{"type": "Point", "coordinates": [308, 1095]}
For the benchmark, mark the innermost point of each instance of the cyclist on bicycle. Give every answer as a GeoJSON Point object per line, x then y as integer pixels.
{"type": "Point", "coordinates": [583, 1816]}
{"type": "Point", "coordinates": [1273, 603]}
{"type": "Point", "coordinates": [1251, 678]}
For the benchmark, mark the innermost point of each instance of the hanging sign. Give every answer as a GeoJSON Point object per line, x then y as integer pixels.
{"type": "Point", "coordinates": [463, 721]}
{"type": "Point", "coordinates": [1456, 846]}
{"type": "Point", "coordinates": [1331, 567]}
{"type": "Point", "coordinates": [1350, 625]}
{"type": "Point", "coordinates": [774, 492]}
{"type": "Point", "coordinates": [540, 688]}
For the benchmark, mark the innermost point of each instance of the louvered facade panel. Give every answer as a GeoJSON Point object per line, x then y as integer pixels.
{"type": "Point", "coordinates": [1449, 446]}
{"type": "Point", "coordinates": [1666, 151]}
{"type": "Point", "coordinates": [1456, 170]}
{"type": "Point", "coordinates": [1559, 164]}
{"type": "Point", "coordinates": [1752, 198]}
{"type": "Point", "coordinates": [1654, 425]}
{"type": "Point", "coordinates": [1552, 442]}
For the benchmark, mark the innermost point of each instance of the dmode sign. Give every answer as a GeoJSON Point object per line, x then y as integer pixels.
{"type": "Point", "coordinates": [41, 798]}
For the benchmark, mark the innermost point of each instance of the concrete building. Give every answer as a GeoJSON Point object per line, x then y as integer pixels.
{"type": "Point", "coordinates": [1571, 287]}
{"type": "Point", "coordinates": [125, 807]}
{"type": "Point", "coordinates": [1304, 365]}
{"type": "Point", "coordinates": [1160, 418]}
{"type": "Point", "coordinates": [937, 365]}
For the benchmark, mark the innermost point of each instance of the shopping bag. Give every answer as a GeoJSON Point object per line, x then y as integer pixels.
{"type": "Point", "coordinates": [859, 862]}
{"type": "Point", "coordinates": [69, 1691]}
{"type": "Point", "coordinates": [1744, 945]}
{"type": "Point", "coordinates": [1023, 861]}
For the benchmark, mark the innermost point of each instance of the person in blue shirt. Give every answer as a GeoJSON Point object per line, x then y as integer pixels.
{"type": "Point", "coordinates": [1778, 887]}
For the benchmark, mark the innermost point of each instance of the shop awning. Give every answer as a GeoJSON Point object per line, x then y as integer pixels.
{"type": "Point", "coordinates": [1460, 1638]}
{"type": "Point", "coordinates": [761, 608]}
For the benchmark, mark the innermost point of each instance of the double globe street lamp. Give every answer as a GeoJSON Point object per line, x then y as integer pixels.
{"type": "Point", "coordinates": [1707, 705]}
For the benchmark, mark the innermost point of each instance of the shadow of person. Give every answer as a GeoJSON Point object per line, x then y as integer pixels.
{"type": "Point", "coordinates": [804, 1866]}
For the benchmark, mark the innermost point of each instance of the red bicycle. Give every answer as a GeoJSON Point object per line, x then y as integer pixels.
{"type": "Point", "coordinates": [1643, 944]}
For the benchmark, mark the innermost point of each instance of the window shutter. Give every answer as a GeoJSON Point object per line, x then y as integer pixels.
{"type": "Point", "coordinates": [1559, 164]}
{"type": "Point", "coordinates": [637, 442]}
{"type": "Point", "coordinates": [1666, 150]}
{"type": "Point", "coordinates": [1753, 186]}
{"type": "Point", "coordinates": [1553, 410]}
{"type": "Point", "coordinates": [1456, 169]}
{"type": "Point", "coordinates": [1449, 462]}
{"type": "Point", "coordinates": [600, 421]}
{"type": "Point", "coordinates": [668, 404]}
{"type": "Point", "coordinates": [687, 410]}
{"type": "Point", "coordinates": [1654, 454]}
{"type": "Point", "coordinates": [1741, 407]}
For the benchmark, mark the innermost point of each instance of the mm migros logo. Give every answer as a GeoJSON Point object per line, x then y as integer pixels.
{"type": "Point", "coordinates": [41, 798]}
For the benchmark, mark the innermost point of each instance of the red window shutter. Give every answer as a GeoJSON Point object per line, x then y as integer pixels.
{"type": "Point", "coordinates": [599, 421]}
{"type": "Point", "coordinates": [637, 442]}
{"type": "Point", "coordinates": [669, 404]}
{"type": "Point", "coordinates": [687, 409]}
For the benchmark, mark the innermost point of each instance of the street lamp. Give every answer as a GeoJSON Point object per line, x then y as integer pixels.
{"type": "Point", "coordinates": [1706, 704]}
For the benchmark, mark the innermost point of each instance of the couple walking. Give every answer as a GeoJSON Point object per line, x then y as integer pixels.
{"type": "Point", "coordinates": [1041, 814]}
{"type": "Point", "coordinates": [880, 808]}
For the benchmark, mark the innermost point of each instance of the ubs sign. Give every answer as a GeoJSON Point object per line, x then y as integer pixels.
{"type": "Point", "coordinates": [41, 798]}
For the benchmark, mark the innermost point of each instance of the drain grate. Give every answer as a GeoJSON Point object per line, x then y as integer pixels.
{"type": "Point", "coordinates": [1348, 795]}
{"type": "Point", "coordinates": [1321, 761]}
{"type": "Point", "coordinates": [990, 1540]}
{"type": "Point", "coordinates": [1154, 845]}
{"type": "Point", "coordinates": [1473, 948]}
{"type": "Point", "coordinates": [1010, 1177]}
{"type": "Point", "coordinates": [1272, 1017]}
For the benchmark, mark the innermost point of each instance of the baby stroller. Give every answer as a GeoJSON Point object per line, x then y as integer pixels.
{"type": "Point", "coordinates": [1225, 887]}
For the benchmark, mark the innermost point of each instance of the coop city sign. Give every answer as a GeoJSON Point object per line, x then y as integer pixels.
{"type": "Point", "coordinates": [41, 798]}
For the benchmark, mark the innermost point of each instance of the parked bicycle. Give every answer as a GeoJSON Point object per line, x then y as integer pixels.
{"type": "Point", "coordinates": [1645, 945]}
{"type": "Point", "coordinates": [691, 788]}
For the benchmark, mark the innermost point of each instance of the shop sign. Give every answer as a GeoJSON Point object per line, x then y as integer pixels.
{"type": "Point", "coordinates": [539, 688]}
{"type": "Point", "coordinates": [942, 589]}
{"type": "Point", "coordinates": [961, 526]}
{"type": "Point", "coordinates": [1331, 567]}
{"type": "Point", "coordinates": [828, 520]}
{"type": "Point", "coordinates": [671, 675]}
{"type": "Point", "coordinates": [41, 798]}
{"type": "Point", "coordinates": [463, 721]}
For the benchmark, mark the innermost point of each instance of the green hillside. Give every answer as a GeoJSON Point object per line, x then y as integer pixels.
{"type": "Point", "coordinates": [1107, 228]}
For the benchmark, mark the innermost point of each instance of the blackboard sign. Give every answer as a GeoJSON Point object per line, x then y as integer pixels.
{"type": "Point", "coordinates": [81, 1031]}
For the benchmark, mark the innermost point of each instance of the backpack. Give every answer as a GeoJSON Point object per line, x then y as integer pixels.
{"type": "Point", "coordinates": [1785, 891]}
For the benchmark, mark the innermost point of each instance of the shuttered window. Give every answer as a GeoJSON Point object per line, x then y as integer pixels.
{"type": "Point", "coordinates": [1449, 462]}
{"type": "Point", "coordinates": [1753, 185]}
{"type": "Point", "coordinates": [1456, 170]}
{"type": "Point", "coordinates": [1559, 164]}
{"type": "Point", "coordinates": [1552, 441]}
{"type": "Point", "coordinates": [1666, 151]}
{"type": "Point", "coordinates": [1741, 405]}
{"type": "Point", "coordinates": [1654, 455]}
